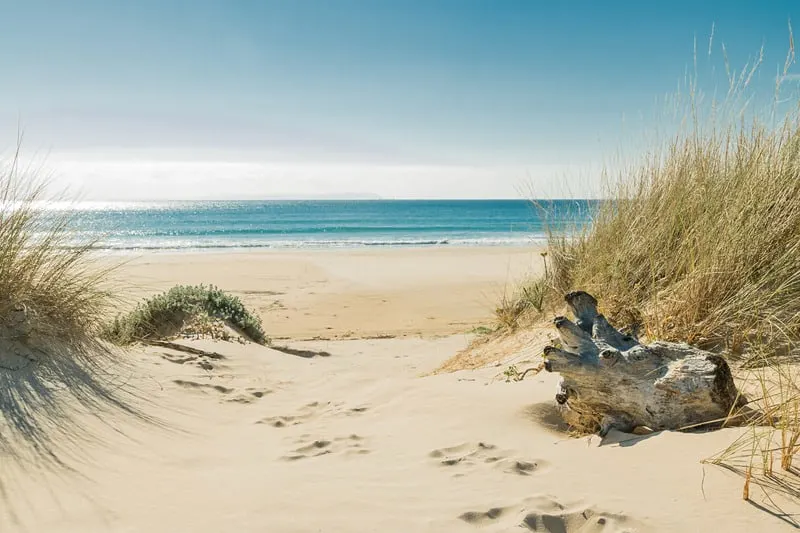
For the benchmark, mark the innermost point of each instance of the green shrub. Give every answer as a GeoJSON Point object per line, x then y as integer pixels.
{"type": "Point", "coordinates": [182, 307]}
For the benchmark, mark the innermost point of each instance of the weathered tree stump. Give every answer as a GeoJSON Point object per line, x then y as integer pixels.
{"type": "Point", "coordinates": [611, 381]}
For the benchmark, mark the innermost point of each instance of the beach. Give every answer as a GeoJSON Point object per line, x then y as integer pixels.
{"type": "Point", "coordinates": [355, 430]}
{"type": "Point", "coordinates": [400, 267]}
{"type": "Point", "coordinates": [352, 293]}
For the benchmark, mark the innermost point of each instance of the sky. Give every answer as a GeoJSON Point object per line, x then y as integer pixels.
{"type": "Point", "coordinates": [238, 99]}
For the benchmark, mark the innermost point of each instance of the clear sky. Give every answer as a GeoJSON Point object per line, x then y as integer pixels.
{"type": "Point", "coordinates": [403, 98]}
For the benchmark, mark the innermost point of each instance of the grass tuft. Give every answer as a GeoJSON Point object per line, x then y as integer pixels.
{"type": "Point", "coordinates": [527, 303]}
{"type": "Point", "coordinates": [185, 308]}
{"type": "Point", "coordinates": [51, 289]}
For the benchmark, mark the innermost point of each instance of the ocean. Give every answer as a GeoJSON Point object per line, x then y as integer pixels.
{"type": "Point", "coordinates": [230, 225]}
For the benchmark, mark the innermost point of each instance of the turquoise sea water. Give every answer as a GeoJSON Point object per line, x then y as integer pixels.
{"type": "Point", "coordinates": [176, 226]}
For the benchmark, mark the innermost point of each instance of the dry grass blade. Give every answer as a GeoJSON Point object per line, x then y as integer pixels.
{"type": "Point", "coordinates": [46, 276]}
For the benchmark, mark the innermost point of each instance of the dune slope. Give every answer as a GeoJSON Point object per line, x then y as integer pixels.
{"type": "Point", "coordinates": [350, 436]}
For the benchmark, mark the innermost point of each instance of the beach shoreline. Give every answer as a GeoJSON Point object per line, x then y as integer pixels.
{"type": "Point", "coordinates": [352, 293]}
{"type": "Point", "coordinates": [285, 225]}
{"type": "Point", "coordinates": [533, 242]}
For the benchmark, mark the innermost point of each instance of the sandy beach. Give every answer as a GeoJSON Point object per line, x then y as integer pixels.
{"type": "Point", "coordinates": [400, 267]}
{"type": "Point", "coordinates": [357, 441]}
{"type": "Point", "coordinates": [350, 293]}
{"type": "Point", "coordinates": [351, 435]}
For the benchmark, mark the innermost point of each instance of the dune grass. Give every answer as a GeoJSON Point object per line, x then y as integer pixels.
{"type": "Point", "coordinates": [699, 241]}
{"type": "Point", "coordinates": [527, 301]}
{"type": "Point", "coordinates": [50, 285]}
{"type": "Point", "coordinates": [702, 242]}
{"type": "Point", "coordinates": [199, 309]}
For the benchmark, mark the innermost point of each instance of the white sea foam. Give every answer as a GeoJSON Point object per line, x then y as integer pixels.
{"type": "Point", "coordinates": [173, 245]}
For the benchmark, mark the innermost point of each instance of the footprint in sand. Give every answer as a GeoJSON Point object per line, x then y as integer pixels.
{"type": "Point", "coordinates": [311, 447]}
{"type": "Point", "coordinates": [547, 515]}
{"type": "Point", "coordinates": [203, 387]}
{"type": "Point", "coordinates": [304, 414]}
{"type": "Point", "coordinates": [471, 455]}
{"type": "Point", "coordinates": [186, 355]}
{"type": "Point", "coordinates": [311, 411]}
{"type": "Point", "coordinates": [492, 516]}
{"type": "Point", "coordinates": [246, 395]}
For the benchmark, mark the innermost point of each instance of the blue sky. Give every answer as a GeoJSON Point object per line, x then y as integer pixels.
{"type": "Point", "coordinates": [400, 98]}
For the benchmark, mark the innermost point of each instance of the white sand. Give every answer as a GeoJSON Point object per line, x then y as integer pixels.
{"type": "Point", "coordinates": [360, 440]}
{"type": "Point", "coordinates": [350, 293]}
{"type": "Point", "coordinates": [357, 441]}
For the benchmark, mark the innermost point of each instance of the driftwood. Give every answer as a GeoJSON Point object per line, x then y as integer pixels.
{"type": "Point", "coordinates": [611, 381]}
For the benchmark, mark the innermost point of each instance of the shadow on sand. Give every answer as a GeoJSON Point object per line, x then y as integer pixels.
{"type": "Point", "coordinates": [46, 405]}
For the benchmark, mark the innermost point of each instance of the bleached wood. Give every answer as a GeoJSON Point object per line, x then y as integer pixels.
{"type": "Point", "coordinates": [610, 380]}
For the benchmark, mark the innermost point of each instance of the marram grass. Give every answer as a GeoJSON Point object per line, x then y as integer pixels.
{"type": "Point", "coordinates": [50, 285]}
{"type": "Point", "coordinates": [699, 241]}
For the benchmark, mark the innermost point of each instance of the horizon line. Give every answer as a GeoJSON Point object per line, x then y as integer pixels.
{"type": "Point", "coordinates": [324, 199]}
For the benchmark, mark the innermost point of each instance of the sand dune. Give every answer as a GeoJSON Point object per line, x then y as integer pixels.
{"type": "Point", "coordinates": [254, 439]}
{"type": "Point", "coordinates": [355, 435]}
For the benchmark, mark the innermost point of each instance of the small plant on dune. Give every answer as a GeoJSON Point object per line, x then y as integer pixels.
{"type": "Point", "coordinates": [51, 291]}
{"type": "Point", "coordinates": [186, 309]}
{"type": "Point", "coordinates": [481, 330]}
{"type": "Point", "coordinates": [512, 373]}
{"type": "Point", "coordinates": [527, 302]}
